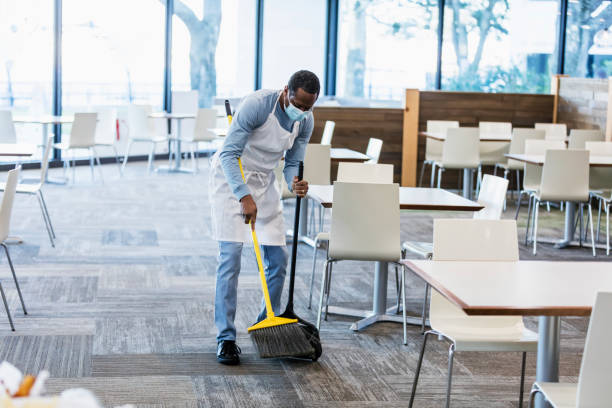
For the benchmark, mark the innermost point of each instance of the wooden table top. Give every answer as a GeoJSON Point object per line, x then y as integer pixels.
{"type": "Point", "coordinates": [527, 288]}
{"type": "Point", "coordinates": [411, 198]}
{"type": "Point", "coordinates": [347, 155]}
{"type": "Point", "coordinates": [483, 138]}
{"type": "Point", "coordinates": [538, 159]}
{"type": "Point", "coordinates": [43, 119]}
{"type": "Point", "coordinates": [17, 149]}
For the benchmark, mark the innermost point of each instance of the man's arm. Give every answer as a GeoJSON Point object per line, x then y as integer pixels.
{"type": "Point", "coordinates": [248, 118]}
{"type": "Point", "coordinates": [297, 152]}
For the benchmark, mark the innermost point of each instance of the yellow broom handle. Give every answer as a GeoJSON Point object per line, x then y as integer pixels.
{"type": "Point", "coordinates": [262, 275]}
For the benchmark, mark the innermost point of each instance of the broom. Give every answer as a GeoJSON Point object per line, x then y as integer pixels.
{"type": "Point", "coordinates": [309, 329]}
{"type": "Point", "coordinates": [273, 336]}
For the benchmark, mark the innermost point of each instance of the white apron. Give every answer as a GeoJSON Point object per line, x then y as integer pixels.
{"type": "Point", "coordinates": [264, 149]}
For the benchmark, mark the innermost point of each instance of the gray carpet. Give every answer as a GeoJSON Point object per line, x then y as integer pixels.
{"type": "Point", "coordinates": [124, 306]}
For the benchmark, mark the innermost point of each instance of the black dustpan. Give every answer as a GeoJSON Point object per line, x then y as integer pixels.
{"type": "Point", "coordinates": [309, 329]}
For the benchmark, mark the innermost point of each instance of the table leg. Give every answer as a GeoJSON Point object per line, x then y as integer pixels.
{"type": "Point", "coordinates": [467, 183]}
{"type": "Point", "coordinates": [549, 328]}
{"type": "Point", "coordinates": [570, 228]}
{"type": "Point", "coordinates": [177, 153]}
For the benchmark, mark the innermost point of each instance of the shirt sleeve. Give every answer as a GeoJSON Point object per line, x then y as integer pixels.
{"type": "Point", "coordinates": [250, 115]}
{"type": "Point", "coordinates": [296, 154]}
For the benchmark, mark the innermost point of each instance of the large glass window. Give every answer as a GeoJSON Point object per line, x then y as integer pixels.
{"type": "Point", "coordinates": [385, 46]}
{"type": "Point", "coordinates": [499, 45]}
{"type": "Point", "coordinates": [26, 62]}
{"type": "Point", "coordinates": [293, 39]}
{"type": "Point", "coordinates": [213, 48]}
{"type": "Point", "coordinates": [588, 51]}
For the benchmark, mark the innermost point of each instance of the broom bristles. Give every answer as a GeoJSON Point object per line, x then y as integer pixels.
{"type": "Point", "coordinates": [286, 340]}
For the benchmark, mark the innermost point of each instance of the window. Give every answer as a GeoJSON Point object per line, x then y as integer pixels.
{"type": "Point", "coordinates": [293, 39]}
{"type": "Point", "coordinates": [26, 62]}
{"type": "Point", "coordinates": [385, 46]}
{"type": "Point", "coordinates": [213, 48]}
{"type": "Point", "coordinates": [588, 51]}
{"type": "Point", "coordinates": [499, 45]}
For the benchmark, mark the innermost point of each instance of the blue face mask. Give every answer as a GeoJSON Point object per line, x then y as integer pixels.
{"type": "Point", "coordinates": [294, 113]}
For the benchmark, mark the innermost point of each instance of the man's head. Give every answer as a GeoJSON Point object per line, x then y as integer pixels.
{"type": "Point", "coordinates": [302, 90]}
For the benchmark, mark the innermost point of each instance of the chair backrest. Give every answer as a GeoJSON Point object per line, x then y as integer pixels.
{"type": "Point", "coordinates": [492, 195]}
{"type": "Point", "coordinates": [7, 127]}
{"type": "Point", "coordinates": [461, 148]}
{"type": "Point", "coordinates": [44, 165]}
{"type": "Point", "coordinates": [472, 240]}
{"type": "Point", "coordinates": [138, 121]}
{"type": "Point", "coordinates": [553, 130]}
{"type": "Point", "coordinates": [594, 381]}
{"type": "Point", "coordinates": [317, 164]}
{"type": "Point", "coordinates": [106, 129]}
{"type": "Point", "coordinates": [328, 132]}
{"type": "Point", "coordinates": [365, 222]}
{"type": "Point", "coordinates": [578, 137]}
{"type": "Point", "coordinates": [83, 132]}
{"type": "Point", "coordinates": [206, 119]}
{"type": "Point", "coordinates": [600, 178]}
{"type": "Point", "coordinates": [496, 129]}
{"type": "Point", "coordinates": [365, 173]}
{"type": "Point", "coordinates": [533, 173]}
{"type": "Point", "coordinates": [517, 143]}
{"type": "Point", "coordinates": [433, 148]}
{"type": "Point", "coordinates": [7, 202]}
{"type": "Point", "coordinates": [565, 176]}
{"type": "Point", "coordinates": [373, 150]}
{"type": "Point", "coordinates": [185, 101]}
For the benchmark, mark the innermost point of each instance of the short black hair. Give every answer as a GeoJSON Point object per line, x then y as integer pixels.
{"type": "Point", "coordinates": [306, 80]}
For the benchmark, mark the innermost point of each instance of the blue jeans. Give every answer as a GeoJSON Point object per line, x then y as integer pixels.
{"type": "Point", "coordinates": [275, 260]}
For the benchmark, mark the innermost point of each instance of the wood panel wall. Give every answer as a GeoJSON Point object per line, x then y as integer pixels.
{"type": "Point", "coordinates": [583, 103]}
{"type": "Point", "coordinates": [355, 126]}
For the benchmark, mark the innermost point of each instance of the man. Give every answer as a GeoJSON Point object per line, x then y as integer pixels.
{"type": "Point", "coordinates": [267, 126]}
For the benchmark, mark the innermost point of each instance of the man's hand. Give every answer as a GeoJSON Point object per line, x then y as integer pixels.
{"type": "Point", "coordinates": [249, 209]}
{"type": "Point", "coordinates": [300, 188]}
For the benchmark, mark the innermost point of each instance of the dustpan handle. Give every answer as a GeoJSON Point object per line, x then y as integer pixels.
{"type": "Point", "coordinates": [296, 238]}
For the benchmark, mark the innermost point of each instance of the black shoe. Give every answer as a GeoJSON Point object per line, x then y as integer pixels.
{"type": "Point", "coordinates": [228, 352]}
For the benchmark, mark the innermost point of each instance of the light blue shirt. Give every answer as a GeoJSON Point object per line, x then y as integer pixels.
{"type": "Point", "coordinates": [253, 112]}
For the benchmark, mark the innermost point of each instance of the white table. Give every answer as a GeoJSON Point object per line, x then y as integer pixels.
{"type": "Point", "coordinates": [526, 288]}
{"type": "Point", "coordinates": [17, 149]}
{"type": "Point", "coordinates": [45, 121]}
{"type": "Point", "coordinates": [178, 117]}
{"type": "Point", "coordinates": [411, 198]}
{"type": "Point", "coordinates": [339, 154]}
{"type": "Point", "coordinates": [570, 208]}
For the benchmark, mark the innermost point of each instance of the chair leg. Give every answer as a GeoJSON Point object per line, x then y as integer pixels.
{"type": "Point", "coordinates": [8, 256]}
{"type": "Point", "coordinates": [581, 216]}
{"type": "Point", "coordinates": [329, 279]}
{"type": "Point", "coordinates": [403, 290]}
{"type": "Point", "coordinates": [322, 292]}
{"type": "Point", "coordinates": [97, 159]}
{"type": "Point", "coordinates": [91, 163]}
{"type": "Point", "coordinates": [433, 175]}
{"type": "Point", "coordinates": [127, 155]}
{"type": "Point", "coordinates": [424, 310]}
{"type": "Point", "coordinates": [607, 229]}
{"type": "Point", "coordinates": [398, 290]}
{"type": "Point", "coordinates": [8, 312]}
{"type": "Point", "coordinates": [518, 204]}
{"type": "Point", "coordinates": [451, 354]}
{"type": "Point", "coordinates": [418, 371]}
{"type": "Point", "coordinates": [422, 172]}
{"type": "Point", "coordinates": [117, 160]}
{"type": "Point", "coordinates": [522, 388]}
{"type": "Point", "coordinates": [592, 233]}
{"type": "Point", "coordinates": [44, 215]}
{"type": "Point", "coordinates": [440, 170]}
{"type": "Point", "coordinates": [528, 219]}
{"type": "Point", "coordinates": [532, 395]}
{"type": "Point", "coordinates": [536, 209]}
{"type": "Point", "coordinates": [150, 161]}
{"type": "Point", "coordinates": [42, 199]}
{"type": "Point", "coordinates": [598, 221]}
{"type": "Point", "coordinates": [73, 168]}
{"type": "Point", "coordinates": [312, 275]}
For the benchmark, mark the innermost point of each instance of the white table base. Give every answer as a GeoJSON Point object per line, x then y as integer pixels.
{"type": "Point", "coordinates": [177, 154]}
{"type": "Point", "coordinates": [547, 369]}
{"type": "Point", "coordinates": [468, 177]}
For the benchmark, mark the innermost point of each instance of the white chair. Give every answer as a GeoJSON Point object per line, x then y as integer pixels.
{"type": "Point", "coordinates": [578, 137]}
{"type": "Point", "coordinates": [82, 137]}
{"type": "Point", "coordinates": [461, 150]}
{"type": "Point", "coordinates": [374, 149]}
{"type": "Point", "coordinates": [328, 132]}
{"type": "Point", "coordinates": [6, 209]}
{"type": "Point", "coordinates": [600, 184]}
{"type": "Point", "coordinates": [357, 235]}
{"type": "Point", "coordinates": [517, 146]}
{"type": "Point", "coordinates": [594, 381]}
{"type": "Point", "coordinates": [205, 122]}
{"type": "Point", "coordinates": [475, 240]}
{"type": "Point", "coordinates": [36, 190]}
{"type": "Point", "coordinates": [7, 127]}
{"type": "Point", "coordinates": [532, 174]}
{"type": "Point", "coordinates": [554, 131]}
{"type": "Point", "coordinates": [351, 173]}
{"type": "Point", "coordinates": [565, 177]}
{"type": "Point", "coordinates": [106, 131]}
{"type": "Point", "coordinates": [433, 148]}
{"type": "Point", "coordinates": [492, 153]}
{"type": "Point", "coordinates": [143, 129]}
{"type": "Point", "coordinates": [317, 170]}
